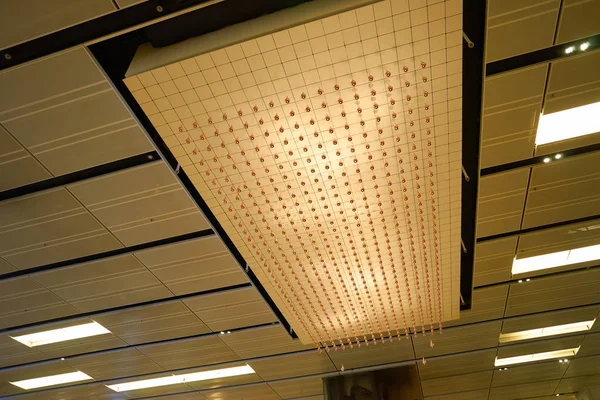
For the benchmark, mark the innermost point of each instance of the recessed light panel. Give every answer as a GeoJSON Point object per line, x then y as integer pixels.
{"type": "Point", "coordinates": [62, 334]}
{"type": "Point", "coordinates": [500, 362]}
{"type": "Point", "coordinates": [330, 153]}
{"type": "Point", "coordinates": [547, 331]}
{"type": "Point", "coordinates": [555, 260]}
{"type": "Point", "coordinates": [182, 378]}
{"type": "Point", "coordinates": [52, 380]}
{"type": "Point", "coordinates": [568, 124]}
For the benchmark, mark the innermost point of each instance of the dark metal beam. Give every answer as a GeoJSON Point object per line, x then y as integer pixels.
{"type": "Point", "coordinates": [541, 56]}
{"type": "Point", "coordinates": [108, 254]}
{"type": "Point", "coordinates": [81, 175]}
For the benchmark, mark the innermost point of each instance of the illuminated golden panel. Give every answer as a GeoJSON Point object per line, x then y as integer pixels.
{"type": "Point", "coordinates": [331, 155]}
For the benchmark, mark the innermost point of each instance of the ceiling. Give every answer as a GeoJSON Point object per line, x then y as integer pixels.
{"type": "Point", "coordinates": [95, 225]}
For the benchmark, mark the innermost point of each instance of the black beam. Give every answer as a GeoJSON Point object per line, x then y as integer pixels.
{"type": "Point", "coordinates": [136, 346]}
{"type": "Point", "coordinates": [538, 228]}
{"type": "Point", "coordinates": [107, 254]}
{"type": "Point", "coordinates": [474, 28]}
{"type": "Point", "coordinates": [542, 56]}
{"type": "Point", "coordinates": [81, 175]}
{"type": "Point", "coordinates": [539, 160]}
{"type": "Point", "coordinates": [78, 34]}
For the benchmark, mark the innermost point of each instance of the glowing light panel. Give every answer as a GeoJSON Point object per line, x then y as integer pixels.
{"type": "Point", "coordinates": [549, 355]}
{"type": "Point", "coordinates": [547, 331]}
{"type": "Point", "coordinates": [51, 380]}
{"type": "Point", "coordinates": [567, 124]}
{"type": "Point", "coordinates": [555, 260]}
{"type": "Point", "coordinates": [62, 334]}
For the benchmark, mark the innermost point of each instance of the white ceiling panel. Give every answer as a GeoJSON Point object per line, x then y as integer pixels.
{"type": "Point", "coordinates": [364, 356]}
{"type": "Point", "coordinates": [50, 226]}
{"type": "Point", "coordinates": [224, 382]}
{"type": "Point", "coordinates": [231, 309]}
{"type": "Point", "coordinates": [458, 339]}
{"type": "Point", "coordinates": [437, 367]}
{"type": "Point", "coordinates": [529, 373]}
{"type": "Point", "coordinates": [493, 261]}
{"type": "Point", "coordinates": [554, 292]}
{"type": "Point", "coordinates": [486, 304]}
{"type": "Point", "coordinates": [262, 342]}
{"type": "Point", "coordinates": [108, 283]}
{"type": "Point", "coordinates": [458, 383]}
{"type": "Point", "coordinates": [39, 18]}
{"type": "Point", "coordinates": [501, 201]}
{"type": "Point", "coordinates": [152, 323]}
{"type": "Point", "coordinates": [512, 103]}
{"type": "Point", "coordinates": [566, 237]}
{"type": "Point", "coordinates": [523, 390]}
{"type": "Point", "coordinates": [141, 204]}
{"type": "Point", "coordinates": [125, 362]}
{"type": "Point", "coordinates": [24, 301]}
{"type": "Point", "coordinates": [515, 27]}
{"type": "Point", "coordinates": [481, 394]}
{"type": "Point", "coordinates": [65, 96]}
{"type": "Point", "coordinates": [13, 158]}
{"type": "Point", "coordinates": [563, 191]}
{"type": "Point", "coordinates": [577, 20]}
{"type": "Point", "coordinates": [252, 392]}
{"type": "Point", "coordinates": [553, 318]}
{"type": "Point", "coordinates": [582, 366]}
{"type": "Point", "coordinates": [298, 387]}
{"type": "Point", "coordinates": [189, 353]}
{"type": "Point", "coordinates": [193, 266]}
{"type": "Point", "coordinates": [287, 366]}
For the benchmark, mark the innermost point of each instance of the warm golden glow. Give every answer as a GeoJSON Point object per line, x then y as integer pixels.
{"type": "Point", "coordinates": [547, 331]}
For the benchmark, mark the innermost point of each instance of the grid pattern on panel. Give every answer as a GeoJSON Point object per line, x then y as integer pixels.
{"type": "Point", "coordinates": [330, 153]}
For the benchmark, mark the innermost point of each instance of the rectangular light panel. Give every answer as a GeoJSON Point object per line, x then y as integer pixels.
{"type": "Point", "coordinates": [567, 124]}
{"type": "Point", "coordinates": [62, 334]}
{"type": "Point", "coordinates": [548, 331]}
{"type": "Point", "coordinates": [549, 355]}
{"type": "Point", "coordinates": [183, 378]}
{"type": "Point", "coordinates": [557, 259]}
{"type": "Point", "coordinates": [330, 153]}
{"type": "Point", "coordinates": [52, 380]}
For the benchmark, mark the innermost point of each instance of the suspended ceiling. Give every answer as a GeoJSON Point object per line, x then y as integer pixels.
{"type": "Point", "coordinates": [167, 304]}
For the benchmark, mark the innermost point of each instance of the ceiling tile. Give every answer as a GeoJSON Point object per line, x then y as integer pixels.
{"type": "Point", "coordinates": [511, 106]}
{"type": "Point", "coordinates": [501, 202]}
{"type": "Point", "coordinates": [590, 345]}
{"type": "Point", "coordinates": [486, 304]}
{"type": "Point", "coordinates": [523, 390]}
{"type": "Point", "coordinates": [569, 385]}
{"type": "Point", "coordinates": [111, 365]}
{"type": "Point", "coordinates": [455, 364]}
{"type": "Point", "coordinates": [13, 352]}
{"type": "Point", "coordinates": [47, 227]}
{"type": "Point", "coordinates": [289, 365]}
{"type": "Point", "coordinates": [493, 261]}
{"type": "Point", "coordinates": [459, 339]}
{"type": "Point", "coordinates": [540, 346]}
{"type": "Point", "coordinates": [481, 394]}
{"type": "Point", "coordinates": [6, 267]}
{"type": "Point", "coordinates": [108, 283]}
{"type": "Point", "coordinates": [553, 292]}
{"type": "Point", "coordinates": [152, 323]}
{"type": "Point", "coordinates": [581, 366]}
{"type": "Point", "coordinates": [25, 301]}
{"type": "Point", "coordinates": [518, 374]}
{"type": "Point", "coordinates": [293, 388]}
{"type": "Point", "coordinates": [457, 383]}
{"type": "Point", "coordinates": [140, 204]}
{"type": "Point", "coordinates": [262, 342]}
{"type": "Point", "coordinates": [193, 266]}
{"type": "Point", "coordinates": [388, 352]}
{"type": "Point", "coordinates": [509, 27]}
{"type": "Point", "coordinates": [187, 353]}
{"type": "Point", "coordinates": [577, 21]}
{"type": "Point", "coordinates": [250, 392]}
{"type": "Point", "coordinates": [232, 309]}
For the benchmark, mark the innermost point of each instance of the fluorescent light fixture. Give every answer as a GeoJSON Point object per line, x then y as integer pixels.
{"type": "Point", "coordinates": [567, 124]}
{"type": "Point", "coordinates": [500, 362]}
{"type": "Point", "coordinates": [548, 331]}
{"type": "Point", "coordinates": [62, 334]}
{"type": "Point", "coordinates": [51, 380]}
{"type": "Point", "coordinates": [584, 46]}
{"type": "Point", "coordinates": [554, 260]}
{"type": "Point", "coordinates": [183, 378]}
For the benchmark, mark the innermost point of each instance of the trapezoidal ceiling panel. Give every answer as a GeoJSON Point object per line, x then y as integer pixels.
{"type": "Point", "coordinates": [330, 152]}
